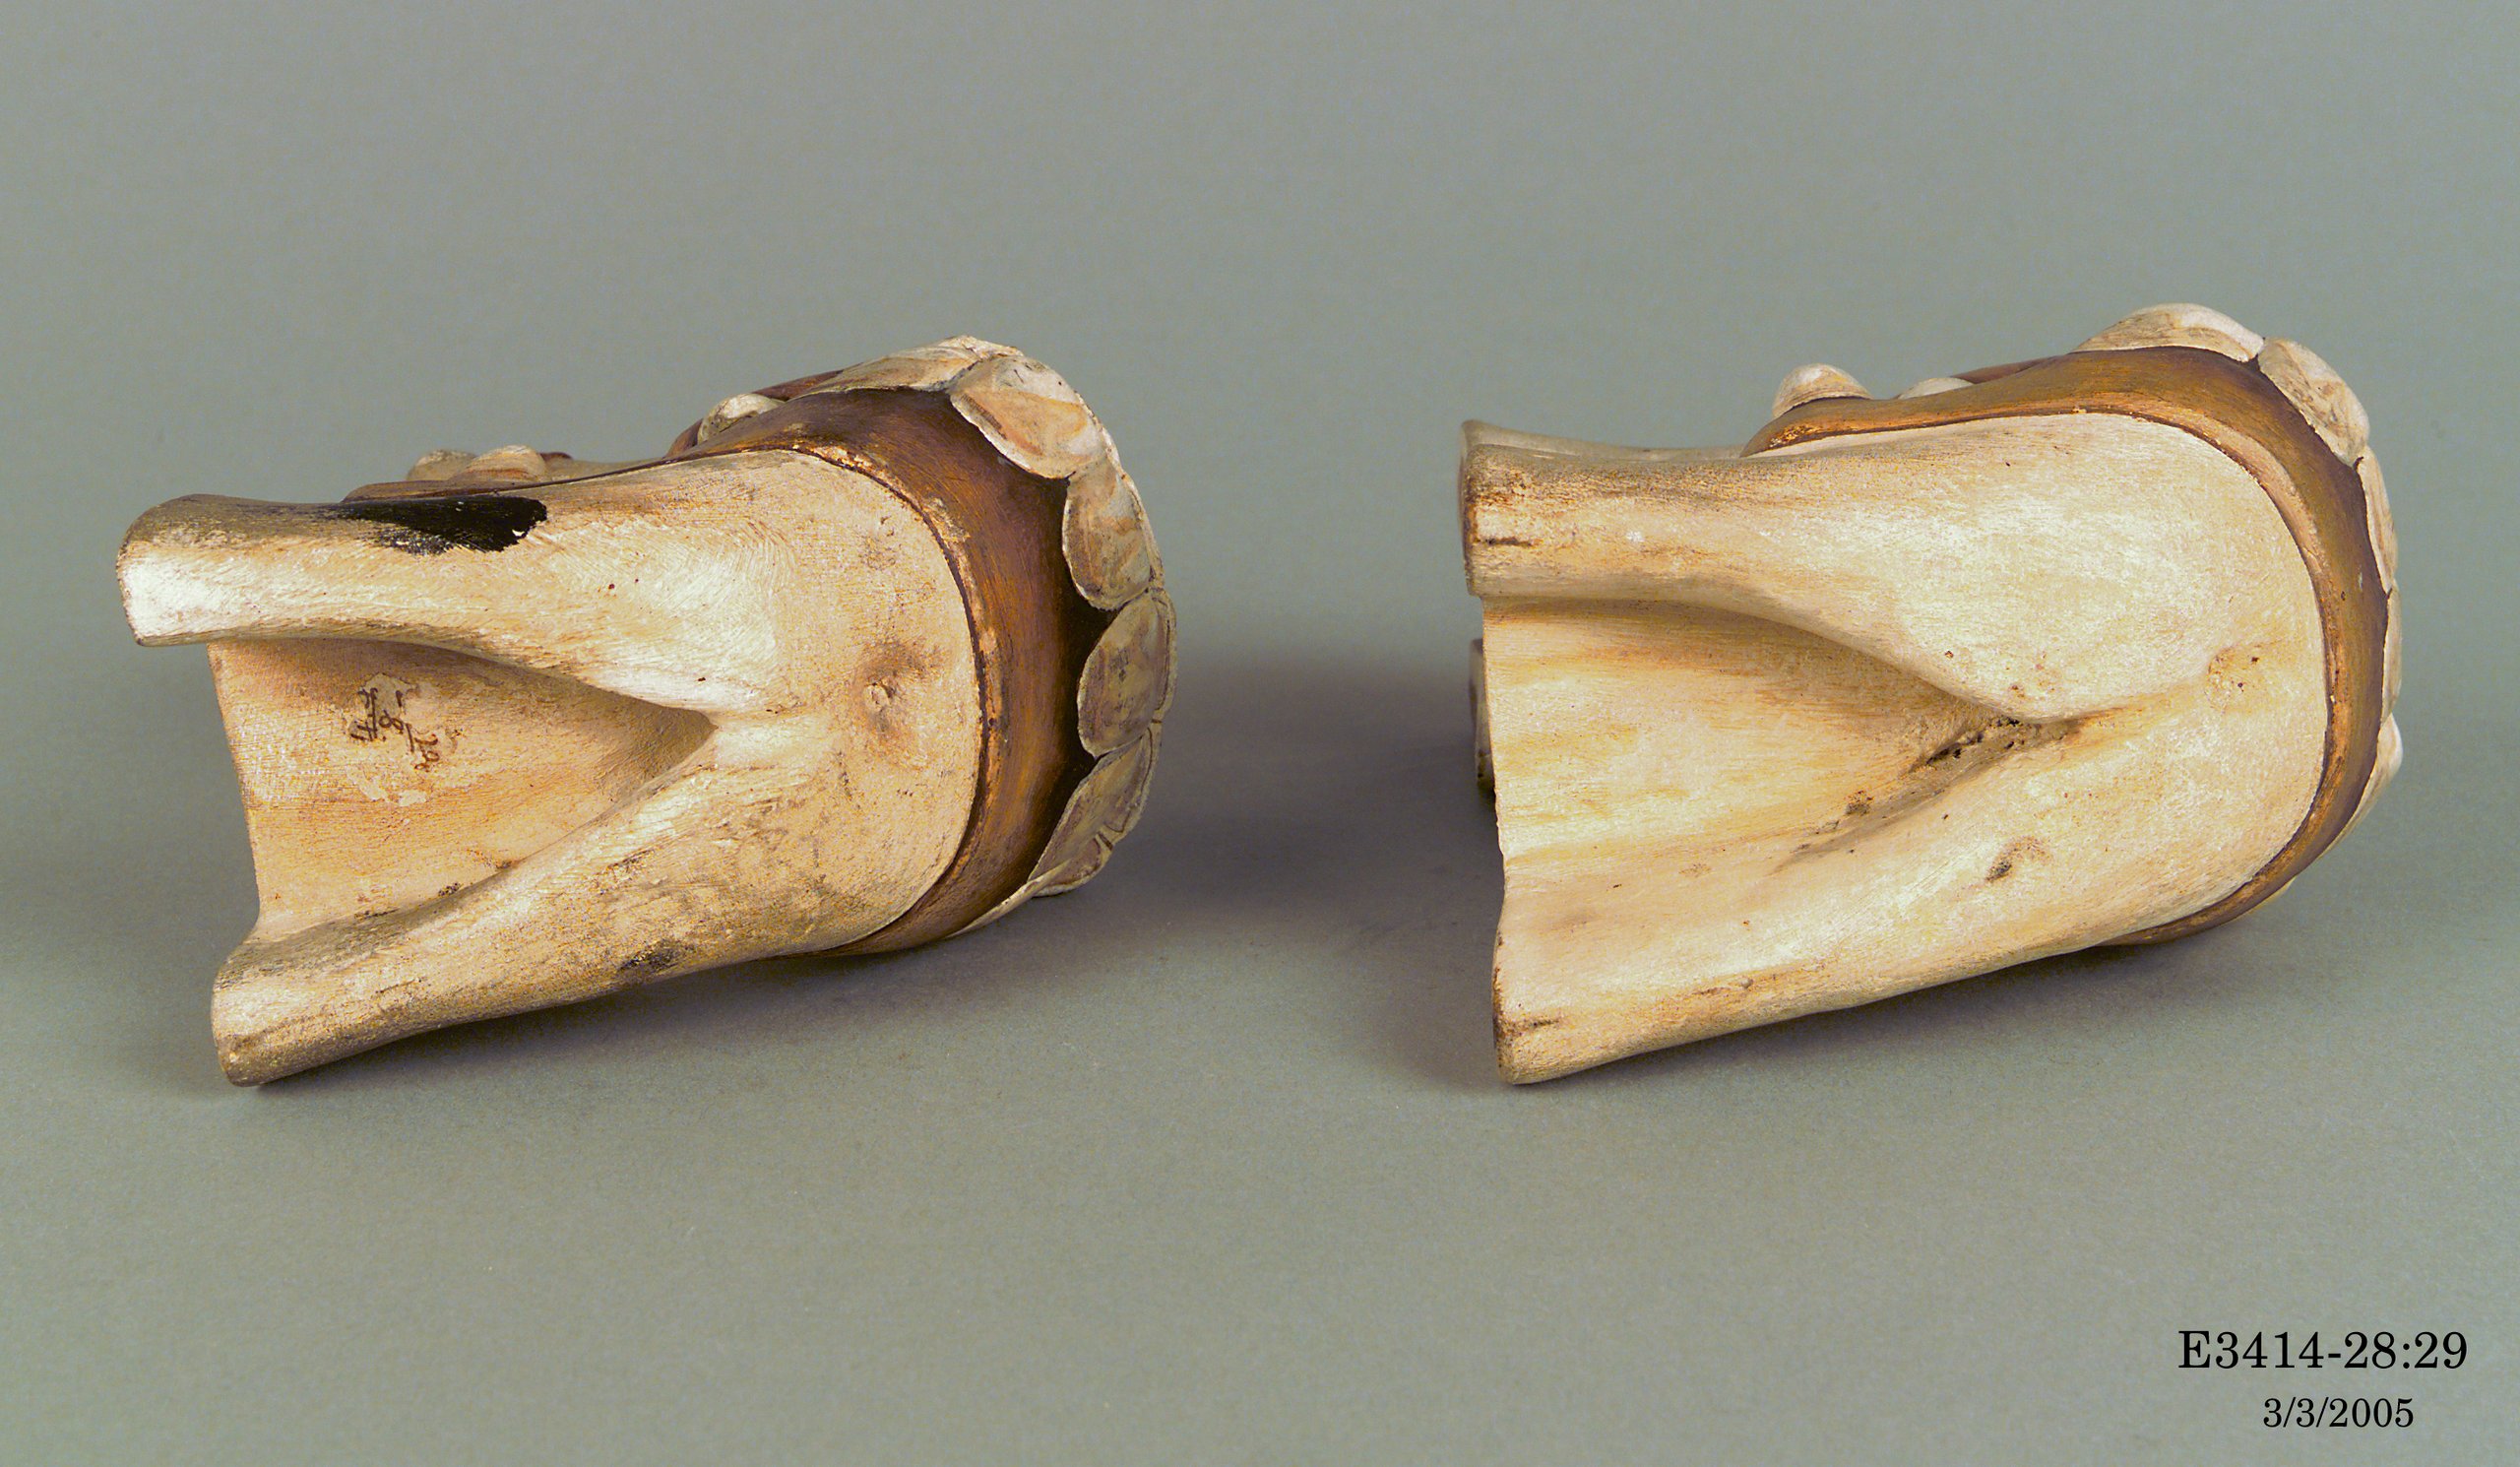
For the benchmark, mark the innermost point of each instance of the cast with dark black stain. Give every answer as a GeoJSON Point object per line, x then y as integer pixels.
{"type": "Point", "coordinates": [432, 527]}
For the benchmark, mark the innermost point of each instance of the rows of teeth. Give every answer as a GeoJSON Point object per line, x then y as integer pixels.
{"type": "Point", "coordinates": [2308, 382]}
{"type": "Point", "coordinates": [1040, 423]}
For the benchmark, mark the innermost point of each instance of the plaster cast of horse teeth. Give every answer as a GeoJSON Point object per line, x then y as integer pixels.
{"type": "Point", "coordinates": [2321, 395]}
{"type": "Point", "coordinates": [1931, 385]}
{"type": "Point", "coordinates": [1810, 384]}
{"type": "Point", "coordinates": [2179, 326]}
{"type": "Point", "coordinates": [2098, 648]}
{"type": "Point", "coordinates": [1030, 413]}
{"type": "Point", "coordinates": [530, 730]}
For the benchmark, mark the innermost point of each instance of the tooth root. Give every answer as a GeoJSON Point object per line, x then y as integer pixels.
{"type": "Point", "coordinates": [1810, 384]}
{"type": "Point", "coordinates": [2179, 326]}
{"type": "Point", "coordinates": [1030, 414]}
{"type": "Point", "coordinates": [2376, 519]}
{"type": "Point", "coordinates": [920, 367]}
{"type": "Point", "coordinates": [1100, 811]}
{"type": "Point", "coordinates": [439, 463]}
{"type": "Point", "coordinates": [732, 410]}
{"type": "Point", "coordinates": [1110, 554]}
{"type": "Point", "coordinates": [2320, 396]}
{"type": "Point", "coordinates": [1933, 385]}
{"type": "Point", "coordinates": [1128, 676]}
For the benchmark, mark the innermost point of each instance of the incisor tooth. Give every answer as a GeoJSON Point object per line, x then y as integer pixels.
{"type": "Point", "coordinates": [1810, 384]}
{"type": "Point", "coordinates": [1128, 676]}
{"type": "Point", "coordinates": [2321, 393]}
{"type": "Point", "coordinates": [1102, 810]}
{"type": "Point", "coordinates": [732, 410]}
{"type": "Point", "coordinates": [920, 367]}
{"type": "Point", "coordinates": [1030, 413]}
{"type": "Point", "coordinates": [1103, 535]}
{"type": "Point", "coordinates": [439, 463]}
{"type": "Point", "coordinates": [2179, 325]}
{"type": "Point", "coordinates": [515, 461]}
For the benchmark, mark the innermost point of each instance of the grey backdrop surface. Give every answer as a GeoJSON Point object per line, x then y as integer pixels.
{"type": "Point", "coordinates": [1206, 1162]}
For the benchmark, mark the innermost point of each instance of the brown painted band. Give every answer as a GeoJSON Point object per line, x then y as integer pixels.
{"type": "Point", "coordinates": [2232, 406]}
{"type": "Point", "coordinates": [1031, 629]}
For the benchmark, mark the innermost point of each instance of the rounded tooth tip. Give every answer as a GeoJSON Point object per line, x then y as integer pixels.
{"type": "Point", "coordinates": [1104, 809]}
{"type": "Point", "coordinates": [2179, 325]}
{"type": "Point", "coordinates": [732, 410]}
{"type": "Point", "coordinates": [1810, 384]}
{"type": "Point", "coordinates": [1931, 385]}
{"type": "Point", "coordinates": [439, 463]}
{"type": "Point", "coordinates": [1103, 533]}
{"type": "Point", "coordinates": [513, 461]}
{"type": "Point", "coordinates": [2319, 394]}
{"type": "Point", "coordinates": [1030, 414]}
{"type": "Point", "coordinates": [919, 367]}
{"type": "Point", "coordinates": [1127, 680]}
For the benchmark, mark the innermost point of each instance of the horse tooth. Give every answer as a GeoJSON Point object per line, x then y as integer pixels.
{"type": "Point", "coordinates": [2179, 325]}
{"type": "Point", "coordinates": [439, 463]}
{"type": "Point", "coordinates": [1103, 532]}
{"type": "Point", "coordinates": [1810, 384]}
{"type": "Point", "coordinates": [1128, 676]}
{"type": "Point", "coordinates": [1029, 413]}
{"type": "Point", "coordinates": [2319, 395]}
{"type": "Point", "coordinates": [732, 410]}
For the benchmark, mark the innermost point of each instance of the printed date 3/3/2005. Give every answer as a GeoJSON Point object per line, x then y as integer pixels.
{"type": "Point", "coordinates": [2355, 1350]}
{"type": "Point", "coordinates": [2339, 1411]}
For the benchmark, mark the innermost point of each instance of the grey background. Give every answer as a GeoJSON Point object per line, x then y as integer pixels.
{"type": "Point", "coordinates": [1206, 1163]}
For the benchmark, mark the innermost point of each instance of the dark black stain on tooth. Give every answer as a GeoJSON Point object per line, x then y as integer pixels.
{"type": "Point", "coordinates": [432, 527]}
